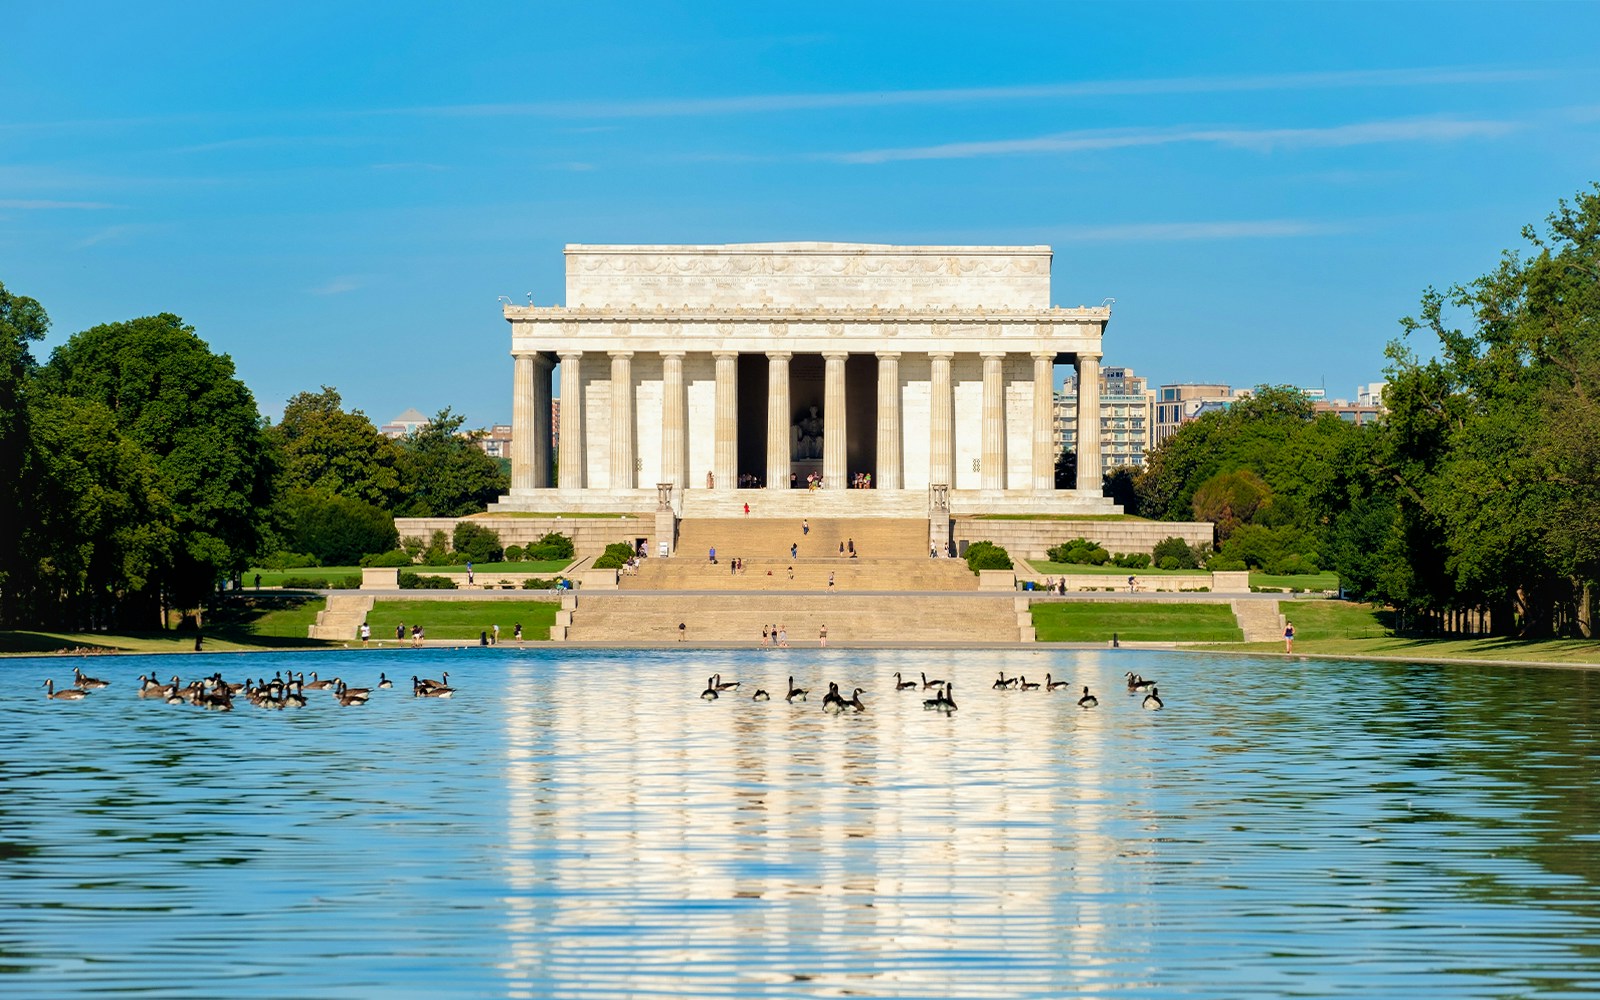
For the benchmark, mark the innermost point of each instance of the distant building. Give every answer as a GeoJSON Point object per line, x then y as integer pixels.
{"type": "Point", "coordinates": [1178, 403]}
{"type": "Point", "coordinates": [496, 441]}
{"type": "Point", "coordinates": [1126, 413]}
{"type": "Point", "coordinates": [404, 424]}
{"type": "Point", "coordinates": [1366, 409]}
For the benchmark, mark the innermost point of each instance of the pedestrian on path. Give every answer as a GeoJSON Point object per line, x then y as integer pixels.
{"type": "Point", "coordinates": [516, 633]}
{"type": "Point", "coordinates": [713, 555]}
{"type": "Point", "coordinates": [746, 510]}
{"type": "Point", "coordinates": [494, 639]}
{"type": "Point", "coordinates": [1288, 636]}
{"type": "Point", "coordinates": [805, 529]}
{"type": "Point", "coordinates": [764, 637]}
{"type": "Point", "coordinates": [830, 583]}
{"type": "Point", "coordinates": [783, 636]}
{"type": "Point", "coordinates": [683, 629]}
{"type": "Point", "coordinates": [366, 633]}
{"type": "Point", "coordinates": [823, 638]}
{"type": "Point", "coordinates": [794, 550]}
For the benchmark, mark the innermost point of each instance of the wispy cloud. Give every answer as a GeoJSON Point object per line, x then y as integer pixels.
{"type": "Point", "coordinates": [44, 204]}
{"type": "Point", "coordinates": [767, 103]}
{"type": "Point", "coordinates": [110, 234]}
{"type": "Point", "coordinates": [340, 285]}
{"type": "Point", "coordinates": [1259, 139]}
{"type": "Point", "coordinates": [1166, 232]}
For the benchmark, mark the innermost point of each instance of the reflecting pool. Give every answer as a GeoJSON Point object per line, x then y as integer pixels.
{"type": "Point", "coordinates": [583, 824]}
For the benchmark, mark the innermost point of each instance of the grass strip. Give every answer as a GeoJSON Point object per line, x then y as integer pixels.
{"type": "Point", "coordinates": [1089, 621]}
{"type": "Point", "coordinates": [463, 619]}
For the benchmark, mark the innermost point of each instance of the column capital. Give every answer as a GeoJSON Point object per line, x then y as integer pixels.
{"type": "Point", "coordinates": [835, 355]}
{"type": "Point", "coordinates": [779, 355]}
{"type": "Point", "coordinates": [944, 355]}
{"type": "Point", "coordinates": [888, 355]}
{"type": "Point", "coordinates": [725, 355]}
{"type": "Point", "coordinates": [1045, 356]}
{"type": "Point", "coordinates": [620, 355]}
{"type": "Point", "coordinates": [993, 354]}
{"type": "Point", "coordinates": [569, 352]}
{"type": "Point", "coordinates": [1089, 355]}
{"type": "Point", "coordinates": [673, 354]}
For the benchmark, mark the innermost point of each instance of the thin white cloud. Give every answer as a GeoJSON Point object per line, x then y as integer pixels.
{"type": "Point", "coordinates": [768, 103]}
{"type": "Point", "coordinates": [45, 204]}
{"type": "Point", "coordinates": [339, 285]}
{"type": "Point", "coordinates": [1167, 232]}
{"type": "Point", "coordinates": [1260, 139]}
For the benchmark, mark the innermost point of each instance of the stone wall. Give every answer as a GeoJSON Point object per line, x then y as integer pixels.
{"type": "Point", "coordinates": [1030, 539]}
{"type": "Point", "coordinates": [590, 535]}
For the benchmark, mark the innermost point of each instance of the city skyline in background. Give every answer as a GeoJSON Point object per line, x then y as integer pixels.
{"type": "Point", "coordinates": [342, 196]}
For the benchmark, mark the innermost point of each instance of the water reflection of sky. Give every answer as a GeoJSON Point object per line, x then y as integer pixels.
{"type": "Point", "coordinates": [582, 824]}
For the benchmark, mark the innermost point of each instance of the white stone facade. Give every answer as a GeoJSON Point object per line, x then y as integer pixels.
{"type": "Point", "coordinates": [698, 367]}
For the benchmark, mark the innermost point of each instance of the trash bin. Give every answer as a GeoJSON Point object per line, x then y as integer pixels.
{"type": "Point", "coordinates": [1027, 585]}
{"type": "Point", "coordinates": [483, 638]}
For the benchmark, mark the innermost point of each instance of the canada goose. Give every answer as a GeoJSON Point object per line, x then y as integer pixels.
{"type": "Point", "coordinates": [434, 692]}
{"type": "Point", "coordinates": [384, 682]}
{"type": "Point", "coordinates": [1152, 700]}
{"type": "Point", "coordinates": [88, 683]}
{"type": "Point", "coordinates": [761, 695]}
{"type": "Point", "coordinates": [347, 698]}
{"type": "Point", "coordinates": [293, 699]}
{"type": "Point", "coordinates": [926, 684]}
{"type": "Point", "coordinates": [65, 694]}
{"type": "Point", "coordinates": [832, 701]}
{"type": "Point", "coordinates": [1003, 684]}
{"type": "Point", "coordinates": [710, 693]}
{"type": "Point", "coordinates": [317, 685]}
{"type": "Point", "coordinates": [723, 685]}
{"type": "Point", "coordinates": [1137, 683]}
{"type": "Point", "coordinates": [855, 701]}
{"type": "Point", "coordinates": [149, 687]}
{"type": "Point", "coordinates": [796, 693]}
{"type": "Point", "coordinates": [943, 703]}
{"type": "Point", "coordinates": [1050, 685]}
{"type": "Point", "coordinates": [343, 690]}
{"type": "Point", "coordinates": [425, 682]}
{"type": "Point", "coordinates": [1027, 685]}
{"type": "Point", "coordinates": [219, 699]}
{"type": "Point", "coordinates": [900, 685]}
{"type": "Point", "coordinates": [1088, 700]}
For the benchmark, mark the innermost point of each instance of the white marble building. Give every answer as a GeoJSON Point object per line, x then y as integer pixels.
{"type": "Point", "coordinates": [928, 368]}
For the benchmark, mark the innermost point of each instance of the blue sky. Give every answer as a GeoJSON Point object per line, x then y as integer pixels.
{"type": "Point", "coordinates": [338, 193]}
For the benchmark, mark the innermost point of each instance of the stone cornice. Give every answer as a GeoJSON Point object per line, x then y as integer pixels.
{"type": "Point", "coordinates": [757, 314]}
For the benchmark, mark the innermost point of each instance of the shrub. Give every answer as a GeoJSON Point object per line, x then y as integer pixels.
{"type": "Point", "coordinates": [412, 547]}
{"type": "Point", "coordinates": [475, 543]}
{"type": "Point", "coordinates": [538, 583]}
{"type": "Point", "coordinates": [1079, 551]}
{"type": "Point", "coordinates": [987, 555]}
{"type": "Point", "coordinates": [289, 560]}
{"type": "Point", "coordinates": [339, 530]}
{"type": "Point", "coordinates": [302, 583]}
{"type": "Point", "coordinates": [394, 557]}
{"type": "Point", "coordinates": [414, 581]}
{"type": "Point", "coordinates": [345, 583]}
{"type": "Point", "coordinates": [1292, 564]}
{"type": "Point", "coordinates": [438, 551]}
{"type": "Point", "coordinates": [550, 548]}
{"type": "Point", "coordinates": [1222, 564]}
{"type": "Point", "coordinates": [1131, 560]}
{"type": "Point", "coordinates": [513, 553]}
{"type": "Point", "coordinates": [1177, 551]}
{"type": "Point", "coordinates": [615, 556]}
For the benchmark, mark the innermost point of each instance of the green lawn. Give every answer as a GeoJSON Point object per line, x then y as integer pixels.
{"type": "Point", "coordinates": [1067, 569]}
{"type": "Point", "coordinates": [1328, 581]}
{"type": "Point", "coordinates": [463, 619]}
{"type": "Point", "coordinates": [1085, 621]}
{"type": "Point", "coordinates": [275, 577]}
{"type": "Point", "coordinates": [245, 622]}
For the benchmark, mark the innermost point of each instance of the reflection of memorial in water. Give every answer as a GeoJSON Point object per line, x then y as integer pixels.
{"type": "Point", "coordinates": [715, 832]}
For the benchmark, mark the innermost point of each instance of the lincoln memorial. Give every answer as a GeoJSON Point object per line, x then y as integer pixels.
{"type": "Point", "coordinates": [842, 379]}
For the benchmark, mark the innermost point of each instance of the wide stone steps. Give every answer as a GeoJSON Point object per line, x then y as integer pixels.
{"type": "Point", "coordinates": [342, 618]}
{"type": "Point", "coordinates": [1260, 620]}
{"type": "Point", "coordinates": [684, 573]}
{"type": "Point", "coordinates": [855, 618]}
{"type": "Point", "coordinates": [757, 537]}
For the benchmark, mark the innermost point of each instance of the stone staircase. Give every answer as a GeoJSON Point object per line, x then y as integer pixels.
{"type": "Point", "coordinates": [808, 575]}
{"type": "Point", "coordinates": [757, 537]}
{"type": "Point", "coordinates": [1260, 620]}
{"type": "Point", "coordinates": [643, 617]}
{"type": "Point", "coordinates": [342, 618]}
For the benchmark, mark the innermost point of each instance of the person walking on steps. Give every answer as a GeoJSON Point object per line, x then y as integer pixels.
{"type": "Point", "coordinates": [805, 529]}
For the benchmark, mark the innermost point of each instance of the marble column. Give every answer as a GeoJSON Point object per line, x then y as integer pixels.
{"type": "Point", "coordinates": [539, 449]}
{"type": "Point", "coordinates": [725, 430]}
{"type": "Point", "coordinates": [1044, 424]}
{"type": "Point", "coordinates": [1088, 445]}
{"type": "Point", "coordinates": [571, 457]}
{"type": "Point", "coordinates": [941, 423]}
{"type": "Point", "coordinates": [674, 415]}
{"type": "Point", "coordinates": [887, 475]}
{"type": "Point", "coordinates": [994, 422]}
{"type": "Point", "coordinates": [522, 477]}
{"type": "Point", "coordinates": [835, 474]}
{"type": "Point", "coordinates": [623, 474]}
{"type": "Point", "coordinates": [779, 419]}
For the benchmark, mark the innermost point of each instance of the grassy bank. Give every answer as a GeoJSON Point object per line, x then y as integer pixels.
{"type": "Point", "coordinates": [1134, 622]}
{"type": "Point", "coordinates": [463, 619]}
{"type": "Point", "coordinates": [1307, 582]}
{"type": "Point", "coordinates": [275, 577]}
{"type": "Point", "coordinates": [252, 621]}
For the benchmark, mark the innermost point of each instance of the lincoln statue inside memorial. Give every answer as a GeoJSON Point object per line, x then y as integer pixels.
{"type": "Point", "coordinates": [793, 375]}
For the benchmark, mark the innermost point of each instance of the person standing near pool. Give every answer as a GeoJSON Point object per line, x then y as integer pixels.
{"type": "Point", "coordinates": [1288, 636]}
{"type": "Point", "coordinates": [822, 638]}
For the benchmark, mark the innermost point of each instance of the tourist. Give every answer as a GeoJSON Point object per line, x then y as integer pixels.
{"type": "Point", "coordinates": [763, 636]}
{"type": "Point", "coordinates": [400, 632]}
{"type": "Point", "coordinates": [1288, 636]}
{"type": "Point", "coordinates": [746, 510]}
{"type": "Point", "coordinates": [783, 636]}
{"type": "Point", "coordinates": [516, 633]}
{"type": "Point", "coordinates": [713, 555]}
{"type": "Point", "coordinates": [733, 566]}
{"type": "Point", "coordinates": [494, 636]}
{"type": "Point", "coordinates": [794, 550]}
{"type": "Point", "coordinates": [791, 572]}
{"type": "Point", "coordinates": [822, 638]}
{"type": "Point", "coordinates": [366, 633]}
{"type": "Point", "coordinates": [683, 630]}
{"type": "Point", "coordinates": [830, 582]}
{"type": "Point", "coordinates": [851, 545]}
{"type": "Point", "coordinates": [805, 529]}
{"type": "Point", "coordinates": [1130, 584]}
{"type": "Point", "coordinates": [258, 581]}
{"type": "Point", "coordinates": [841, 549]}
{"type": "Point", "coordinates": [469, 572]}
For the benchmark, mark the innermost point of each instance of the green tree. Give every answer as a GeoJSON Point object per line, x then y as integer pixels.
{"type": "Point", "coordinates": [338, 530]}
{"type": "Point", "coordinates": [22, 320]}
{"type": "Point", "coordinates": [445, 472]}
{"type": "Point", "coordinates": [1231, 499]}
{"type": "Point", "coordinates": [332, 453]}
{"type": "Point", "coordinates": [169, 395]}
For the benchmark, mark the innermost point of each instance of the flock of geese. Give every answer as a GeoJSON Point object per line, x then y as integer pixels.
{"type": "Point", "coordinates": [944, 698]}
{"type": "Point", "coordinates": [278, 693]}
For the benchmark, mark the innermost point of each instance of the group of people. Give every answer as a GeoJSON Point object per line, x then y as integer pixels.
{"type": "Point", "coordinates": [777, 636]}
{"type": "Point", "coordinates": [861, 481]}
{"type": "Point", "coordinates": [419, 635]}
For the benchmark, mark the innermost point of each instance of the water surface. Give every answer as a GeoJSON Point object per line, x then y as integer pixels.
{"type": "Point", "coordinates": [582, 824]}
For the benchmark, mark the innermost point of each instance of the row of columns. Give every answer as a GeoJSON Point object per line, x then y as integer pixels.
{"type": "Point", "coordinates": [530, 455]}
